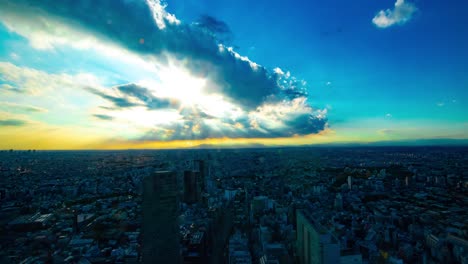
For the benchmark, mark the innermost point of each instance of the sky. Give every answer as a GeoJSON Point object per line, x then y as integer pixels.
{"type": "Point", "coordinates": [123, 74]}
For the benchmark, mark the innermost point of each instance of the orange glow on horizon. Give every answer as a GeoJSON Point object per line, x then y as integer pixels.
{"type": "Point", "coordinates": [76, 139]}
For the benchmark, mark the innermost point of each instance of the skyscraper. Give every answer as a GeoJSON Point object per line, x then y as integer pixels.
{"type": "Point", "coordinates": [338, 202]}
{"type": "Point", "coordinates": [191, 187]}
{"type": "Point", "coordinates": [315, 244]}
{"type": "Point", "coordinates": [160, 230]}
{"type": "Point", "coordinates": [199, 165]}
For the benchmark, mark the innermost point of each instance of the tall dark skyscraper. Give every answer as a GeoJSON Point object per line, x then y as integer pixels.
{"type": "Point", "coordinates": [191, 187]}
{"type": "Point", "coordinates": [315, 244]}
{"type": "Point", "coordinates": [199, 165]}
{"type": "Point", "coordinates": [160, 230]}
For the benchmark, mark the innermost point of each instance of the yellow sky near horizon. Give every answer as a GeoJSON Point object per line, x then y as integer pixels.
{"type": "Point", "coordinates": [46, 137]}
{"type": "Point", "coordinates": [23, 138]}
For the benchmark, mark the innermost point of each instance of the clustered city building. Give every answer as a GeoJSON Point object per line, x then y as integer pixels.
{"type": "Point", "coordinates": [268, 206]}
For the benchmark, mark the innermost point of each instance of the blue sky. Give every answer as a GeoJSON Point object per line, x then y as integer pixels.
{"type": "Point", "coordinates": [303, 72]}
{"type": "Point", "coordinates": [404, 69]}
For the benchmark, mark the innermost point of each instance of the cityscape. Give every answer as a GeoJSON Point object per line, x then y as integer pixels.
{"type": "Point", "coordinates": [233, 132]}
{"type": "Point", "coordinates": [269, 205]}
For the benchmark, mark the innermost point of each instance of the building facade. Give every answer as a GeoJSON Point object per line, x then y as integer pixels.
{"type": "Point", "coordinates": [315, 245]}
{"type": "Point", "coordinates": [160, 229]}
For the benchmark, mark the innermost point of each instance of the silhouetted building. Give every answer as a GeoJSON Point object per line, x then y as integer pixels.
{"type": "Point", "coordinates": [315, 245]}
{"type": "Point", "coordinates": [199, 165]}
{"type": "Point", "coordinates": [191, 187]}
{"type": "Point", "coordinates": [160, 229]}
{"type": "Point", "coordinates": [338, 202]}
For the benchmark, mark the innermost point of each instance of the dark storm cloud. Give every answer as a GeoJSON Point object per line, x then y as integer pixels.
{"type": "Point", "coordinates": [12, 122]}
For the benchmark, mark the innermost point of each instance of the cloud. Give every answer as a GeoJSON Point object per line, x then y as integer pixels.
{"type": "Point", "coordinates": [146, 96]}
{"type": "Point", "coordinates": [35, 82]}
{"type": "Point", "coordinates": [290, 118]}
{"type": "Point", "coordinates": [21, 107]}
{"type": "Point", "coordinates": [399, 15]}
{"type": "Point", "coordinates": [14, 56]}
{"type": "Point", "coordinates": [217, 28]}
{"type": "Point", "coordinates": [388, 115]}
{"type": "Point", "coordinates": [386, 131]}
{"type": "Point", "coordinates": [213, 25]}
{"type": "Point", "coordinates": [218, 92]}
{"type": "Point", "coordinates": [103, 117]}
{"type": "Point", "coordinates": [54, 21]}
{"type": "Point", "coordinates": [132, 95]}
{"type": "Point", "coordinates": [12, 122]}
{"type": "Point", "coordinates": [118, 101]}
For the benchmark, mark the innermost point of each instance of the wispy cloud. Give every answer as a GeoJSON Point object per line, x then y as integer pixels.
{"type": "Point", "coordinates": [117, 101]}
{"type": "Point", "coordinates": [14, 56]}
{"type": "Point", "coordinates": [12, 122]}
{"type": "Point", "coordinates": [103, 117]}
{"type": "Point", "coordinates": [21, 107]}
{"type": "Point", "coordinates": [386, 131]}
{"type": "Point", "coordinates": [35, 82]}
{"type": "Point", "coordinates": [399, 15]}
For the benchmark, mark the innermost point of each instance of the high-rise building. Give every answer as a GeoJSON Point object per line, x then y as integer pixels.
{"type": "Point", "coordinates": [199, 165]}
{"type": "Point", "coordinates": [338, 202]}
{"type": "Point", "coordinates": [191, 187]}
{"type": "Point", "coordinates": [315, 245]}
{"type": "Point", "coordinates": [160, 230]}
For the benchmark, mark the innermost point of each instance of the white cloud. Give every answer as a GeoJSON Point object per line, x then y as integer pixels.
{"type": "Point", "coordinates": [160, 15]}
{"type": "Point", "coordinates": [36, 82]}
{"type": "Point", "coordinates": [42, 31]}
{"type": "Point", "coordinates": [217, 104]}
{"type": "Point", "coordinates": [253, 65]}
{"type": "Point", "coordinates": [388, 115]}
{"type": "Point", "coordinates": [399, 15]}
{"type": "Point", "coordinates": [14, 56]}
{"type": "Point", "coordinates": [278, 70]}
{"type": "Point", "coordinates": [8, 106]}
{"type": "Point", "coordinates": [63, 95]}
{"type": "Point", "coordinates": [46, 32]}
